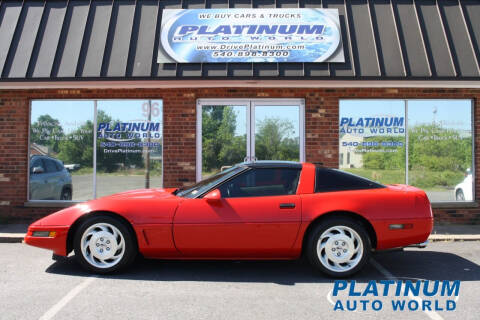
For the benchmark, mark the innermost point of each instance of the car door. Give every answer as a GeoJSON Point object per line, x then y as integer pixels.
{"type": "Point", "coordinates": [258, 215]}
{"type": "Point", "coordinates": [38, 181]}
{"type": "Point", "coordinates": [52, 180]}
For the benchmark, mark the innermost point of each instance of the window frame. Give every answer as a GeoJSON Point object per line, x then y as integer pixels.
{"type": "Point", "coordinates": [252, 169]}
{"type": "Point", "coordinates": [338, 172]}
{"type": "Point", "coordinates": [67, 203]}
{"type": "Point", "coordinates": [250, 104]}
{"type": "Point", "coordinates": [442, 204]}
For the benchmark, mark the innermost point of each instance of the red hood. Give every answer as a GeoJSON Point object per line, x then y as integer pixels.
{"type": "Point", "coordinates": [143, 194]}
{"type": "Point", "coordinates": [143, 205]}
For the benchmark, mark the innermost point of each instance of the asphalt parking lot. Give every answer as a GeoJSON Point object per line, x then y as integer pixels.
{"type": "Point", "coordinates": [35, 287]}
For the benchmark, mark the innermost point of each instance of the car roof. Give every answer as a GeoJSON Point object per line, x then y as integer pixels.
{"type": "Point", "coordinates": [273, 164]}
{"type": "Point", "coordinates": [44, 156]}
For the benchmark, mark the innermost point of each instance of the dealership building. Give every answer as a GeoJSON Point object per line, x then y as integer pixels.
{"type": "Point", "coordinates": [99, 97]}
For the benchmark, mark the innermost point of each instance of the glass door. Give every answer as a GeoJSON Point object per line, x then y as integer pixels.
{"type": "Point", "coordinates": [236, 130]}
{"type": "Point", "coordinates": [223, 137]}
{"type": "Point", "coordinates": [278, 130]}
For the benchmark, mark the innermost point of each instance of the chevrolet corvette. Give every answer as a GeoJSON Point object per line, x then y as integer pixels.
{"type": "Point", "coordinates": [258, 210]}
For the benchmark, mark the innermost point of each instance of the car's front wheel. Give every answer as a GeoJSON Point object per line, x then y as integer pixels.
{"type": "Point", "coordinates": [66, 194]}
{"type": "Point", "coordinates": [459, 196]}
{"type": "Point", "coordinates": [103, 244]}
{"type": "Point", "coordinates": [338, 247]}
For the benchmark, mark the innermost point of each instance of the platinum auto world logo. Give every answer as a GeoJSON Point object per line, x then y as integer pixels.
{"type": "Point", "coordinates": [396, 295]}
{"type": "Point", "coordinates": [128, 131]}
{"type": "Point", "coordinates": [250, 35]}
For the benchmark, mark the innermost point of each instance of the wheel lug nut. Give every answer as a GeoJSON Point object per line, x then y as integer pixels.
{"type": "Point", "coordinates": [101, 250]}
{"type": "Point", "coordinates": [108, 241]}
{"type": "Point", "coordinates": [98, 244]}
{"type": "Point", "coordinates": [338, 254]}
{"type": "Point", "coordinates": [333, 249]}
{"type": "Point", "coordinates": [336, 243]}
{"type": "Point", "coordinates": [343, 243]}
{"type": "Point", "coordinates": [101, 239]}
{"type": "Point", "coordinates": [344, 250]}
{"type": "Point", "coordinates": [108, 248]}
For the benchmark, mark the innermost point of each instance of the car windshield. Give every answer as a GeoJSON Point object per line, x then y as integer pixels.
{"type": "Point", "coordinates": [206, 184]}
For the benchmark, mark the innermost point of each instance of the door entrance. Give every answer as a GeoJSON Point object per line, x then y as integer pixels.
{"type": "Point", "coordinates": [236, 130]}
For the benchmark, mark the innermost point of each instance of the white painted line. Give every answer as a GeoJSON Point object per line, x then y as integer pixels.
{"type": "Point", "coordinates": [66, 299]}
{"type": "Point", "coordinates": [431, 314]}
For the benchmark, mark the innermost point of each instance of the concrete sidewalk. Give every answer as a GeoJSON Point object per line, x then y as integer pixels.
{"type": "Point", "coordinates": [16, 233]}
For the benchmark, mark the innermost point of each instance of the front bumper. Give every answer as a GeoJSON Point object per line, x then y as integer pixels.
{"type": "Point", "coordinates": [57, 244]}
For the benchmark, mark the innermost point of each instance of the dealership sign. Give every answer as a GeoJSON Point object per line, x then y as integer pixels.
{"type": "Point", "coordinates": [250, 35]}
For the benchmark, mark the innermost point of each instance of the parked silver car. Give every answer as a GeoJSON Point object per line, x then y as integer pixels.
{"type": "Point", "coordinates": [49, 180]}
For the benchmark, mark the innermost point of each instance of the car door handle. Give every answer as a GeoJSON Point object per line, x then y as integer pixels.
{"type": "Point", "coordinates": [287, 205]}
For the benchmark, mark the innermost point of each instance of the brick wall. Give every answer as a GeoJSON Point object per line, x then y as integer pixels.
{"type": "Point", "coordinates": [321, 139]}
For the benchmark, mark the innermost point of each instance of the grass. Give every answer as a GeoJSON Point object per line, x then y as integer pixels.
{"type": "Point", "coordinates": [428, 180]}
{"type": "Point", "coordinates": [382, 176]}
{"type": "Point", "coordinates": [126, 172]}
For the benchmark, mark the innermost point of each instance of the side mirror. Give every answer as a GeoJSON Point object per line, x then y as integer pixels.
{"type": "Point", "coordinates": [213, 196]}
{"type": "Point", "coordinates": [37, 170]}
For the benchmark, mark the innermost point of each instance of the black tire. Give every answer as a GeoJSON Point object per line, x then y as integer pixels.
{"type": "Point", "coordinates": [459, 196]}
{"type": "Point", "coordinates": [66, 194]}
{"type": "Point", "coordinates": [129, 246]}
{"type": "Point", "coordinates": [314, 236]}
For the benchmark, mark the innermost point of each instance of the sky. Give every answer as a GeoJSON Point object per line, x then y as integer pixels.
{"type": "Point", "coordinates": [289, 113]}
{"type": "Point", "coordinates": [73, 114]}
{"type": "Point", "coordinates": [453, 114]}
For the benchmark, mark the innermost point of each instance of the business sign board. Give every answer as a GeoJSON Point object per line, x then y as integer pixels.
{"type": "Point", "coordinates": [250, 35]}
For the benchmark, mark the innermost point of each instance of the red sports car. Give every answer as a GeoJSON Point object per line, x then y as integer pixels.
{"type": "Point", "coordinates": [260, 210]}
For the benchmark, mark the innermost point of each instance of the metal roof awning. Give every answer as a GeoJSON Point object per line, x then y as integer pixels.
{"type": "Point", "coordinates": [118, 40]}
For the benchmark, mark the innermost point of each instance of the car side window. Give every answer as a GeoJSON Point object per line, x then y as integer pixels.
{"type": "Point", "coordinates": [59, 166]}
{"type": "Point", "coordinates": [328, 180]}
{"type": "Point", "coordinates": [260, 182]}
{"type": "Point", "coordinates": [50, 164]}
{"type": "Point", "coordinates": [37, 163]}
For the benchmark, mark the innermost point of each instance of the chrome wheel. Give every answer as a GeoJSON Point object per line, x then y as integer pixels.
{"type": "Point", "coordinates": [340, 248]}
{"type": "Point", "coordinates": [102, 245]}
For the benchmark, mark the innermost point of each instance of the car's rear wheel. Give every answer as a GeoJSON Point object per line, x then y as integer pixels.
{"type": "Point", "coordinates": [459, 196]}
{"type": "Point", "coordinates": [338, 247]}
{"type": "Point", "coordinates": [103, 244]}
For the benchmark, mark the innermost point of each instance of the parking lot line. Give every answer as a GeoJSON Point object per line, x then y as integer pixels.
{"type": "Point", "coordinates": [431, 314]}
{"type": "Point", "coordinates": [66, 299]}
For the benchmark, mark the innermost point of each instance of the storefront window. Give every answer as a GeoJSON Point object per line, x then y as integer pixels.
{"type": "Point", "coordinates": [439, 158]}
{"type": "Point", "coordinates": [372, 139]}
{"type": "Point", "coordinates": [440, 148]}
{"type": "Point", "coordinates": [67, 162]}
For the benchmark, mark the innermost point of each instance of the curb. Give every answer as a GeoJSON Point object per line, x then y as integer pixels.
{"type": "Point", "coordinates": [11, 238]}
{"type": "Point", "coordinates": [454, 237]}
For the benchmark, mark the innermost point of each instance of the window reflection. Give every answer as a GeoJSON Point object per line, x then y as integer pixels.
{"type": "Point", "coordinates": [372, 144]}
{"type": "Point", "coordinates": [128, 148]}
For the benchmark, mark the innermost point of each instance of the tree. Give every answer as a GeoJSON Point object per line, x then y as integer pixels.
{"type": "Point", "coordinates": [434, 148]}
{"type": "Point", "coordinates": [436, 156]}
{"type": "Point", "coordinates": [220, 145]}
{"type": "Point", "coordinates": [383, 158]}
{"type": "Point", "coordinates": [78, 148]}
{"type": "Point", "coordinates": [47, 131]}
{"type": "Point", "coordinates": [273, 140]}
